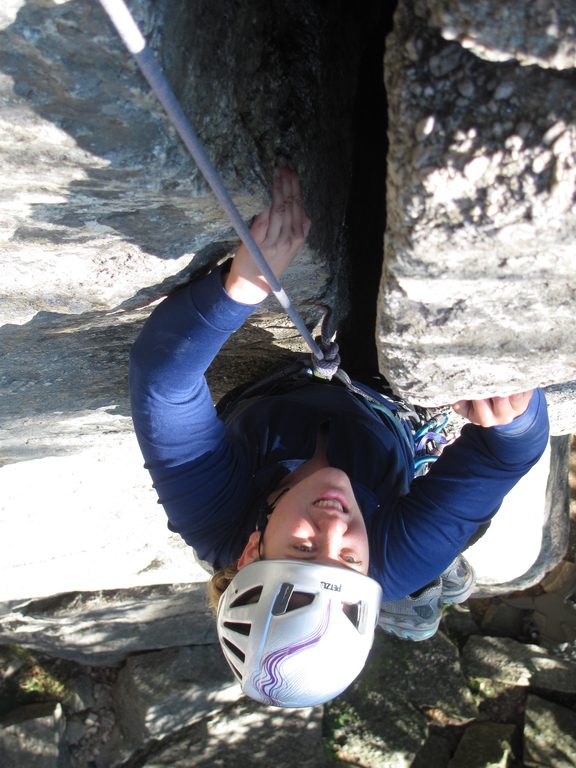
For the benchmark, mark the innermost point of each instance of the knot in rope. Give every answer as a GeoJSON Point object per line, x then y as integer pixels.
{"type": "Point", "coordinates": [326, 366]}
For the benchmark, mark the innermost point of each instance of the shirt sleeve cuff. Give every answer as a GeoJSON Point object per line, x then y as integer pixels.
{"type": "Point", "coordinates": [536, 411]}
{"type": "Point", "coordinates": [215, 305]}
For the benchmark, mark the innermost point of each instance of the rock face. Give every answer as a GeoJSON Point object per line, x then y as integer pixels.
{"type": "Point", "coordinates": [162, 692]}
{"type": "Point", "coordinates": [477, 292]}
{"type": "Point", "coordinates": [104, 627]}
{"type": "Point", "coordinates": [549, 734]}
{"type": "Point", "coordinates": [541, 33]}
{"type": "Point", "coordinates": [32, 733]}
{"type": "Point", "coordinates": [105, 212]}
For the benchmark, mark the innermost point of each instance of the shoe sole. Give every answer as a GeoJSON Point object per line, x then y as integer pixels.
{"type": "Point", "coordinates": [409, 633]}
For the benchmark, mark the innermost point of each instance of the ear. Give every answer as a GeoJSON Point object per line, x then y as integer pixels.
{"type": "Point", "coordinates": [250, 553]}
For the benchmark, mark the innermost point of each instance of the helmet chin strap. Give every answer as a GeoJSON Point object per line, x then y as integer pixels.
{"type": "Point", "coordinates": [261, 524]}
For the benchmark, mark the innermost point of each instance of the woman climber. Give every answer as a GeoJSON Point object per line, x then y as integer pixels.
{"type": "Point", "coordinates": [302, 494]}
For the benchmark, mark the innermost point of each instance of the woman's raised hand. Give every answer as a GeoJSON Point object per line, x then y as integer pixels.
{"type": "Point", "coordinates": [280, 231]}
{"type": "Point", "coordinates": [493, 410]}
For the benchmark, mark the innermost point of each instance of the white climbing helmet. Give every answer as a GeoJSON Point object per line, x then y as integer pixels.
{"type": "Point", "coordinates": [296, 634]}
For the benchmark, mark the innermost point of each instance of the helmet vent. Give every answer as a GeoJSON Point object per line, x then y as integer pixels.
{"type": "Point", "coordinates": [246, 598]}
{"type": "Point", "coordinates": [352, 612]}
{"type": "Point", "coordinates": [234, 649]}
{"type": "Point", "coordinates": [289, 599]}
{"type": "Point", "coordinates": [299, 600]}
{"type": "Point", "coordinates": [236, 626]}
{"type": "Point", "coordinates": [236, 672]}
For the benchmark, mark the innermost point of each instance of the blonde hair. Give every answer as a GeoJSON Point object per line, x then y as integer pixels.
{"type": "Point", "coordinates": [219, 583]}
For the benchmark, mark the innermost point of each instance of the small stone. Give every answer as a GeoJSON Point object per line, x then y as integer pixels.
{"type": "Point", "coordinates": [411, 50]}
{"type": "Point", "coordinates": [549, 734]}
{"type": "Point", "coordinates": [554, 132]}
{"type": "Point", "coordinates": [503, 620]}
{"type": "Point", "coordinates": [434, 753]}
{"type": "Point", "coordinates": [75, 731]}
{"type": "Point", "coordinates": [504, 90]}
{"type": "Point", "coordinates": [508, 661]}
{"type": "Point", "coordinates": [514, 143]}
{"type": "Point", "coordinates": [563, 145]}
{"type": "Point", "coordinates": [484, 745]}
{"type": "Point", "coordinates": [31, 735]}
{"type": "Point", "coordinates": [551, 674]}
{"type": "Point", "coordinates": [541, 161]}
{"type": "Point", "coordinates": [475, 169]}
{"type": "Point", "coordinates": [459, 622]}
{"type": "Point", "coordinates": [466, 88]}
{"type": "Point", "coordinates": [91, 721]}
{"type": "Point", "coordinates": [446, 61]}
{"type": "Point", "coordinates": [425, 127]}
{"type": "Point", "coordinates": [499, 659]}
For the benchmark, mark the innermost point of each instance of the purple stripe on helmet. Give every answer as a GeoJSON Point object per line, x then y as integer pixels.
{"type": "Point", "coordinates": [272, 680]}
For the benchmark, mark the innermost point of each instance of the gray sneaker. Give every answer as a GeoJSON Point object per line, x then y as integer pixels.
{"type": "Point", "coordinates": [457, 581]}
{"type": "Point", "coordinates": [413, 618]}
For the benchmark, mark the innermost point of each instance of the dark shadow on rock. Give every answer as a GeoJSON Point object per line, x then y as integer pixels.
{"type": "Point", "coordinates": [366, 210]}
{"type": "Point", "coordinates": [243, 734]}
{"type": "Point", "coordinates": [386, 711]}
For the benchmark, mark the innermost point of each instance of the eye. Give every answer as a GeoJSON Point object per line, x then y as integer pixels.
{"type": "Point", "coordinates": [351, 559]}
{"type": "Point", "coordinates": [303, 547]}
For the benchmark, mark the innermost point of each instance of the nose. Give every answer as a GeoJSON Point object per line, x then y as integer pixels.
{"type": "Point", "coordinates": [331, 530]}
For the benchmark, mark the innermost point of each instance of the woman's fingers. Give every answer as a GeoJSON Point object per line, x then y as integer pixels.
{"type": "Point", "coordinates": [296, 204]}
{"type": "Point", "coordinates": [277, 208]}
{"type": "Point", "coordinates": [493, 411]}
{"type": "Point", "coordinates": [520, 401]}
{"type": "Point", "coordinates": [288, 224]}
{"type": "Point", "coordinates": [260, 226]}
{"type": "Point", "coordinates": [481, 413]}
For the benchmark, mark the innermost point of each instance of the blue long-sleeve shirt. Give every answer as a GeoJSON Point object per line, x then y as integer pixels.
{"type": "Point", "coordinates": [208, 475]}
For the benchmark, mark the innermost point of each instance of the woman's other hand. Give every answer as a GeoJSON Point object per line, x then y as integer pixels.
{"type": "Point", "coordinates": [493, 410]}
{"type": "Point", "coordinates": [280, 231]}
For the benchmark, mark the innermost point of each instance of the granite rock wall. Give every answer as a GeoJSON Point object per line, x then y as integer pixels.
{"type": "Point", "coordinates": [103, 213]}
{"type": "Point", "coordinates": [478, 287]}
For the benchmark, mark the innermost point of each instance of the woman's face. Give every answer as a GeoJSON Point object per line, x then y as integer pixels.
{"type": "Point", "coordinates": [317, 519]}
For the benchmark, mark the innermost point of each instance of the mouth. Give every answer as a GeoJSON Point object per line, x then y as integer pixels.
{"type": "Point", "coordinates": [329, 502]}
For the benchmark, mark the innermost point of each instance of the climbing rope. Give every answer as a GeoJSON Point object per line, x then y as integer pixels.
{"type": "Point", "coordinates": [324, 354]}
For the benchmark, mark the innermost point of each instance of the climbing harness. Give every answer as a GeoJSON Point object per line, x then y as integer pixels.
{"type": "Point", "coordinates": [134, 41]}
{"type": "Point", "coordinates": [424, 438]}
